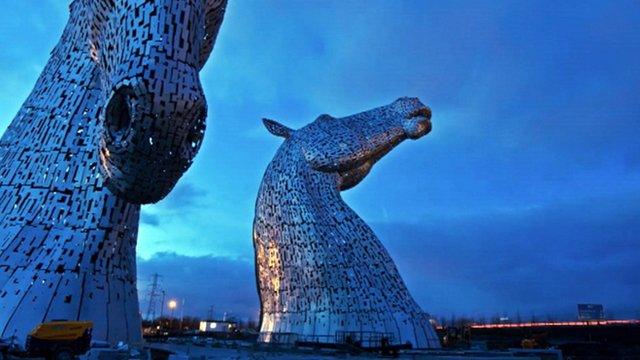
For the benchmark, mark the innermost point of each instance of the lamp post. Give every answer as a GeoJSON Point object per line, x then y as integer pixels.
{"type": "Point", "coordinates": [172, 305]}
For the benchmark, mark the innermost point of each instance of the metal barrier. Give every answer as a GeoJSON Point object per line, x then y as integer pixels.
{"type": "Point", "coordinates": [365, 339]}
{"type": "Point", "coordinates": [361, 339]}
{"type": "Point", "coordinates": [278, 338]}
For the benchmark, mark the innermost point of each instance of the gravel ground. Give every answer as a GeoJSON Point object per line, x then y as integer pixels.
{"type": "Point", "coordinates": [247, 351]}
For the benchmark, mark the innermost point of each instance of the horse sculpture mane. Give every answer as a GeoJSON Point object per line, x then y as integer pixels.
{"type": "Point", "coordinates": [322, 273]}
{"type": "Point", "coordinates": [120, 96]}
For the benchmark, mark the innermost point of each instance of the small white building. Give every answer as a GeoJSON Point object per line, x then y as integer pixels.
{"type": "Point", "coordinates": [217, 326]}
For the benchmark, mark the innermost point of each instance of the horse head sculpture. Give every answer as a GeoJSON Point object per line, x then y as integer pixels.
{"type": "Point", "coordinates": [114, 120]}
{"type": "Point", "coordinates": [321, 272]}
{"type": "Point", "coordinates": [155, 109]}
{"type": "Point", "coordinates": [351, 145]}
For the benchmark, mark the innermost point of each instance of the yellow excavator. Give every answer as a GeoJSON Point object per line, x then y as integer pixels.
{"type": "Point", "coordinates": [59, 339]}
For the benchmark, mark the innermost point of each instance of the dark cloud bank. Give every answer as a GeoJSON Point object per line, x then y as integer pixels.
{"type": "Point", "coordinates": [538, 261]}
{"type": "Point", "coordinates": [203, 281]}
{"type": "Point", "coordinates": [184, 198]}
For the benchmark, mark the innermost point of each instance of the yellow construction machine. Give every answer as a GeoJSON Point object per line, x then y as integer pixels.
{"type": "Point", "coordinates": [59, 339]}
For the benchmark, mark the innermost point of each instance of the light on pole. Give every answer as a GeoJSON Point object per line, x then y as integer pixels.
{"type": "Point", "coordinates": [172, 305]}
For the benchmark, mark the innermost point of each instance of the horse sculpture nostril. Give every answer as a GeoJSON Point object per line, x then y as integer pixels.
{"type": "Point", "coordinates": [119, 114]}
{"type": "Point", "coordinates": [418, 123]}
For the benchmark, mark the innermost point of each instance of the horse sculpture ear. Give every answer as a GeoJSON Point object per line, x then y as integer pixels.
{"type": "Point", "coordinates": [276, 128]}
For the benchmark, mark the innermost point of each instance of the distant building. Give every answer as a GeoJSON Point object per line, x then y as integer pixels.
{"type": "Point", "coordinates": [587, 312]}
{"type": "Point", "coordinates": [218, 326]}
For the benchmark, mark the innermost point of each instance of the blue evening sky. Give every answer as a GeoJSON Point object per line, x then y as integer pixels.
{"type": "Point", "coordinates": [524, 198]}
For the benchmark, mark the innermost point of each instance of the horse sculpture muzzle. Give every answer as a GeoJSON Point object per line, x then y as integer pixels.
{"type": "Point", "coordinates": [418, 123]}
{"type": "Point", "coordinates": [151, 133]}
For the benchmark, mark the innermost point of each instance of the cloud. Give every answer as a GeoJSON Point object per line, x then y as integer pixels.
{"type": "Point", "coordinates": [184, 196]}
{"type": "Point", "coordinates": [190, 221]}
{"type": "Point", "coordinates": [542, 260]}
{"type": "Point", "coordinates": [202, 281]}
{"type": "Point", "coordinates": [535, 260]}
{"type": "Point", "coordinates": [149, 219]}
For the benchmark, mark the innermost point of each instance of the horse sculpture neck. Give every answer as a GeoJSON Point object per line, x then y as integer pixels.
{"type": "Point", "coordinates": [309, 185]}
{"type": "Point", "coordinates": [67, 245]}
{"type": "Point", "coordinates": [50, 106]}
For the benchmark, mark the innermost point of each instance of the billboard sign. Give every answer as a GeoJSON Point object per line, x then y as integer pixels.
{"type": "Point", "coordinates": [588, 312]}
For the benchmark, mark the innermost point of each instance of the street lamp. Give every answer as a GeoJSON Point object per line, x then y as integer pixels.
{"type": "Point", "coordinates": [172, 305]}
